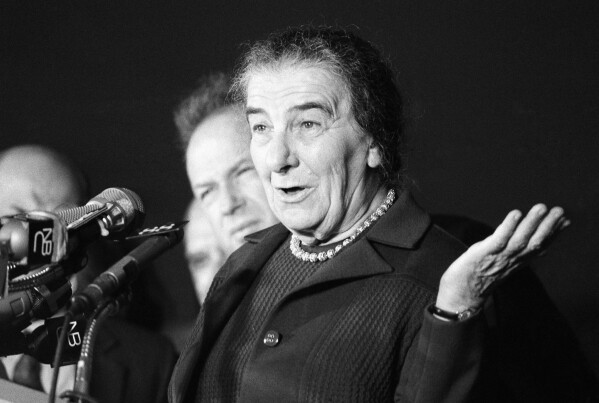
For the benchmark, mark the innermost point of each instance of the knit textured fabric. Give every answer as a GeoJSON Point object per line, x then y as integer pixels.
{"type": "Point", "coordinates": [362, 371]}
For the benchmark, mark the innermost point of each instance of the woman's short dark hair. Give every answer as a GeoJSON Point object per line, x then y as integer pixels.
{"type": "Point", "coordinates": [375, 99]}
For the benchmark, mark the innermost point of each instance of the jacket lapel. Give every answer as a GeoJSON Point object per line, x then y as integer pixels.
{"type": "Point", "coordinates": [243, 266]}
{"type": "Point", "coordinates": [401, 227]}
{"type": "Point", "coordinates": [248, 262]}
{"type": "Point", "coordinates": [359, 260]}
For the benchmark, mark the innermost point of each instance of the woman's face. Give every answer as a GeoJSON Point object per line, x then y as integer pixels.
{"type": "Point", "coordinates": [313, 159]}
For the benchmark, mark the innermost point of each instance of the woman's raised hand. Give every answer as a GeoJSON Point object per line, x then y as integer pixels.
{"type": "Point", "coordinates": [469, 280]}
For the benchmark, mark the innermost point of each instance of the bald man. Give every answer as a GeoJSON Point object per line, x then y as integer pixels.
{"type": "Point", "coordinates": [34, 177]}
{"type": "Point", "coordinates": [130, 364]}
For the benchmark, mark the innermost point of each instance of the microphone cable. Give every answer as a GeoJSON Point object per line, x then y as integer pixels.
{"type": "Point", "coordinates": [58, 355]}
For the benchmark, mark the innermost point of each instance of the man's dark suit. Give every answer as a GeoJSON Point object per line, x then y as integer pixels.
{"type": "Point", "coordinates": [130, 364]}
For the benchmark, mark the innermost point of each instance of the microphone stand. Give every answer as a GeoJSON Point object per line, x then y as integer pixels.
{"type": "Point", "coordinates": [104, 293]}
{"type": "Point", "coordinates": [83, 374]}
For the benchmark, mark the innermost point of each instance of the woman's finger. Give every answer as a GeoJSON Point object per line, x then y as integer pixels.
{"type": "Point", "coordinates": [553, 222]}
{"type": "Point", "coordinates": [497, 241]}
{"type": "Point", "coordinates": [526, 229]}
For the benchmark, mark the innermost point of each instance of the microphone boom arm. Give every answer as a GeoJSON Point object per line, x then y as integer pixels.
{"type": "Point", "coordinates": [111, 282]}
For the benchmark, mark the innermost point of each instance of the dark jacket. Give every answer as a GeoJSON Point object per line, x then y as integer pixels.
{"type": "Point", "coordinates": [130, 364]}
{"type": "Point", "coordinates": [354, 331]}
{"type": "Point", "coordinates": [531, 354]}
{"type": "Point", "coordinates": [527, 354]}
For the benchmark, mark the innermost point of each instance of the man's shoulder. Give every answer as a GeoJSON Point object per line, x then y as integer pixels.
{"type": "Point", "coordinates": [133, 340]}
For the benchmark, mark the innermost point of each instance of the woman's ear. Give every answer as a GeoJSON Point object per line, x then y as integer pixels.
{"type": "Point", "coordinates": [374, 156]}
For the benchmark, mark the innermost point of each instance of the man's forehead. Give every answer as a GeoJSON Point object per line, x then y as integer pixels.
{"type": "Point", "coordinates": [228, 127]}
{"type": "Point", "coordinates": [25, 195]}
{"type": "Point", "coordinates": [21, 203]}
{"type": "Point", "coordinates": [212, 149]}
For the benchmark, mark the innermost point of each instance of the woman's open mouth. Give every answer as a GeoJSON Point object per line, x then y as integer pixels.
{"type": "Point", "coordinates": [292, 190]}
{"type": "Point", "coordinates": [292, 194]}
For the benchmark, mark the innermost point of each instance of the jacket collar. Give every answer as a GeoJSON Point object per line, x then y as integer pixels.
{"type": "Point", "coordinates": [402, 226]}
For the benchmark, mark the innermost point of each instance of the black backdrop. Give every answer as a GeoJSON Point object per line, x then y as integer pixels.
{"type": "Point", "coordinates": [503, 96]}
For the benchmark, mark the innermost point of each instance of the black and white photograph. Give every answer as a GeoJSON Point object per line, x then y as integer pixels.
{"type": "Point", "coordinates": [316, 201]}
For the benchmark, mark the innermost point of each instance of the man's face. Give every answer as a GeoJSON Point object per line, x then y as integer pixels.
{"type": "Point", "coordinates": [223, 178]}
{"type": "Point", "coordinates": [19, 193]}
{"type": "Point", "coordinates": [202, 251]}
{"type": "Point", "coordinates": [30, 182]}
{"type": "Point", "coordinates": [309, 151]}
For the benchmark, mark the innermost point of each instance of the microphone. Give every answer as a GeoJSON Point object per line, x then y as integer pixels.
{"type": "Point", "coordinates": [42, 342]}
{"type": "Point", "coordinates": [123, 272]}
{"type": "Point", "coordinates": [112, 214]}
{"type": "Point", "coordinates": [115, 209]}
{"type": "Point", "coordinates": [18, 309]}
{"type": "Point", "coordinates": [37, 237]}
{"type": "Point", "coordinates": [34, 238]}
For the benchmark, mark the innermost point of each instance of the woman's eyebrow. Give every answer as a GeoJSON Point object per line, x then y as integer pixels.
{"type": "Point", "coordinates": [313, 105]}
{"type": "Point", "coordinates": [250, 110]}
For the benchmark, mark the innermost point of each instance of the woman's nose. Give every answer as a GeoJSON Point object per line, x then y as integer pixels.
{"type": "Point", "coordinates": [280, 155]}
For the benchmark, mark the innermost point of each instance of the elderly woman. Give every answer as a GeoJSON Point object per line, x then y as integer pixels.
{"type": "Point", "coordinates": [355, 296]}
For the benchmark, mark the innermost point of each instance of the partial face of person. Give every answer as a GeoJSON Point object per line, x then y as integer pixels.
{"type": "Point", "coordinates": [202, 251]}
{"type": "Point", "coordinates": [31, 183]}
{"type": "Point", "coordinates": [21, 193]}
{"type": "Point", "coordinates": [313, 159]}
{"type": "Point", "coordinates": [224, 180]}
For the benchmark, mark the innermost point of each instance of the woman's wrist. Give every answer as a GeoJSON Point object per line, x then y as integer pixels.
{"type": "Point", "coordinates": [456, 296]}
{"type": "Point", "coordinates": [451, 316]}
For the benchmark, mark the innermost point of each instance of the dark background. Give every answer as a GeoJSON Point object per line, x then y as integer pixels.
{"type": "Point", "coordinates": [503, 97]}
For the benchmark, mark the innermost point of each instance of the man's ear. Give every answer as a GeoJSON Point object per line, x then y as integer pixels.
{"type": "Point", "coordinates": [374, 156]}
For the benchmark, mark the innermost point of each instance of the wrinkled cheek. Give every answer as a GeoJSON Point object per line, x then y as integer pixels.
{"type": "Point", "coordinates": [336, 186]}
{"type": "Point", "coordinates": [270, 195]}
{"type": "Point", "coordinates": [258, 158]}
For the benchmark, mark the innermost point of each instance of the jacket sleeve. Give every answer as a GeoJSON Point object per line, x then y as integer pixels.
{"type": "Point", "coordinates": [443, 363]}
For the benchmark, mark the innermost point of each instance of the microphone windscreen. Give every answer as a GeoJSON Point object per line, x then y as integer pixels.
{"type": "Point", "coordinates": [116, 194]}
{"type": "Point", "coordinates": [73, 214]}
{"type": "Point", "coordinates": [129, 202]}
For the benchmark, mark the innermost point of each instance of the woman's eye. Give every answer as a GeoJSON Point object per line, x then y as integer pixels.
{"type": "Point", "coordinates": [245, 170]}
{"type": "Point", "coordinates": [258, 128]}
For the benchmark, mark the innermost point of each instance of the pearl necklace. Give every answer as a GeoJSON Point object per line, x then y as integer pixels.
{"type": "Point", "coordinates": [298, 252]}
